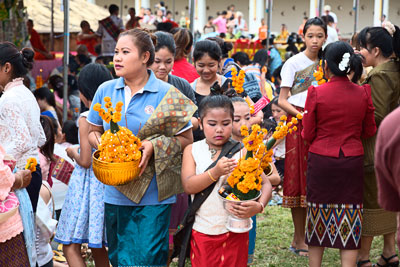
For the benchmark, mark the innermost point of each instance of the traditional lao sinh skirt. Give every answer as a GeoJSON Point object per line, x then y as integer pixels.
{"type": "Point", "coordinates": [334, 200]}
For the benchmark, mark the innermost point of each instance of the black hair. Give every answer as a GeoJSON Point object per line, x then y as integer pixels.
{"type": "Point", "coordinates": [225, 46]}
{"type": "Point", "coordinates": [210, 17]}
{"type": "Point", "coordinates": [71, 132]}
{"type": "Point", "coordinates": [168, 12]}
{"type": "Point", "coordinates": [224, 12]}
{"type": "Point", "coordinates": [21, 61]}
{"type": "Point", "coordinates": [183, 40]}
{"type": "Point", "coordinates": [327, 19]}
{"type": "Point", "coordinates": [275, 101]}
{"type": "Point", "coordinates": [242, 58]}
{"type": "Point", "coordinates": [213, 102]}
{"type": "Point", "coordinates": [83, 23]}
{"type": "Point", "coordinates": [83, 59]}
{"type": "Point", "coordinates": [90, 78]}
{"type": "Point", "coordinates": [47, 149]}
{"type": "Point", "coordinates": [316, 22]}
{"type": "Point", "coordinates": [261, 57]}
{"type": "Point", "coordinates": [113, 8]}
{"type": "Point", "coordinates": [45, 93]}
{"type": "Point", "coordinates": [143, 41]}
{"type": "Point", "coordinates": [132, 9]}
{"type": "Point", "coordinates": [334, 55]}
{"type": "Point", "coordinates": [208, 47]}
{"type": "Point", "coordinates": [371, 37]}
{"type": "Point", "coordinates": [165, 40]}
{"type": "Point", "coordinates": [238, 99]}
{"type": "Point", "coordinates": [57, 83]}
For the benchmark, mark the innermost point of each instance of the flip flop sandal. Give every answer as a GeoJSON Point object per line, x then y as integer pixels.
{"type": "Point", "coordinates": [59, 256]}
{"type": "Point", "coordinates": [387, 263]}
{"type": "Point", "coordinates": [297, 252]}
{"type": "Point", "coordinates": [292, 249]}
{"type": "Point", "coordinates": [361, 263]}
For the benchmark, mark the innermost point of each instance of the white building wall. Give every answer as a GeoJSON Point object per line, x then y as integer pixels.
{"type": "Point", "coordinates": [290, 12]}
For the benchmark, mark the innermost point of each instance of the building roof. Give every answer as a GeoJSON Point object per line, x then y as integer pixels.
{"type": "Point", "coordinates": [40, 12]}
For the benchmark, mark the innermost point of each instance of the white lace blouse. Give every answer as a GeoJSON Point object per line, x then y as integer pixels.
{"type": "Point", "coordinates": [20, 130]}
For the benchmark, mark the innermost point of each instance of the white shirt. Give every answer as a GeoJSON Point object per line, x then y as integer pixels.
{"type": "Point", "coordinates": [332, 36]}
{"type": "Point", "coordinates": [211, 217]}
{"type": "Point", "coordinates": [292, 65]}
{"type": "Point", "coordinates": [21, 132]}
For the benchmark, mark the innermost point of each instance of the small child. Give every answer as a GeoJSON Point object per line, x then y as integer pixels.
{"type": "Point", "coordinates": [70, 134]}
{"type": "Point", "coordinates": [242, 117]}
{"type": "Point", "coordinates": [279, 148]}
{"type": "Point", "coordinates": [211, 242]}
{"type": "Point", "coordinates": [82, 216]}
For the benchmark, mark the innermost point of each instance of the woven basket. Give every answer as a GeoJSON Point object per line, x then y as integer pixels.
{"type": "Point", "coordinates": [115, 173]}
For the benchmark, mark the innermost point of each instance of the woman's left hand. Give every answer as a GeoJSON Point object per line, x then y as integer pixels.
{"type": "Point", "coordinates": [246, 209]}
{"type": "Point", "coordinates": [147, 151]}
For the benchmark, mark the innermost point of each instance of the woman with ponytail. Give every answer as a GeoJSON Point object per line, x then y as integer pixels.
{"type": "Point", "coordinates": [297, 75]}
{"type": "Point", "coordinates": [20, 130]}
{"type": "Point", "coordinates": [137, 214]}
{"type": "Point", "coordinates": [334, 127]}
{"type": "Point", "coordinates": [380, 48]}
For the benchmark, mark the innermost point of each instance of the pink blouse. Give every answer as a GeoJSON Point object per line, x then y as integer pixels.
{"type": "Point", "coordinates": [13, 226]}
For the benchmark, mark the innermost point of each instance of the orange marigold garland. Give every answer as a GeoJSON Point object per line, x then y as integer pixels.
{"type": "Point", "coordinates": [118, 144]}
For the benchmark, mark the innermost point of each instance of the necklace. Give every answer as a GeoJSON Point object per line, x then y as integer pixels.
{"type": "Point", "coordinates": [212, 150]}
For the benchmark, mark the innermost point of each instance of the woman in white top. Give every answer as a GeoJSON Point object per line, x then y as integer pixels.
{"type": "Point", "coordinates": [297, 76]}
{"type": "Point", "coordinates": [20, 130]}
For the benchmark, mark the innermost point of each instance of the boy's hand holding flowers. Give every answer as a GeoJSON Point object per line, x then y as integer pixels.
{"type": "Point", "coordinates": [224, 167]}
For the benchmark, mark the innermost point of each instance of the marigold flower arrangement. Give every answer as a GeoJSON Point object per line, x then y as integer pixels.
{"type": "Point", "coordinates": [31, 164]}
{"type": "Point", "coordinates": [237, 83]}
{"type": "Point", "coordinates": [245, 180]}
{"type": "Point", "coordinates": [118, 144]}
{"type": "Point", "coordinates": [238, 80]}
{"type": "Point", "coordinates": [319, 74]}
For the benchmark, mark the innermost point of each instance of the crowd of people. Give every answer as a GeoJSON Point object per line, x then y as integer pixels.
{"type": "Point", "coordinates": [338, 172]}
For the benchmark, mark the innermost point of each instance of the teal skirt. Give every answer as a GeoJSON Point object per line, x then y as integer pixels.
{"type": "Point", "coordinates": [137, 235]}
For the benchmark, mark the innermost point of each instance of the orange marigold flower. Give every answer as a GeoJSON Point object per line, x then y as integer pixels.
{"type": "Point", "coordinates": [294, 128]}
{"type": "Point", "coordinates": [119, 104]}
{"type": "Point", "coordinates": [107, 99]}
{"type": "Point", "coordinates": [283, 118]}
{"type": "Point", "coordinates": [299, 116]}
{"type": "Point", "coordinates": [97, 107]}
{"type": "Point", "coordinates": [108, 105]}
{"type": "Point", "coordinates": [107, 117]}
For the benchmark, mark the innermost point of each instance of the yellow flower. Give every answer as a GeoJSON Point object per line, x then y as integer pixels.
{"type": "Point", "coordinates": [116, 117]}
{"type": "Point", "coordinates": [118, 109]}
{"type": "Point", "coordinates": [294, 121]}
{"type": "Point", "coordinates": [119, 104]}
{"type": "Point", "coordinates": [294, 128]}
{"type": "Point", "coordinates": [107, 117]}
{"type": "Point", "coordinates": [97, 107]}
{"type": "Point", "coordinates": [102, 112]}
{"type": "Point", "coordinates": [283, 118]}
{"type": "Point", "coordinates": [107, 99]}
{"type": "Point", "coordinates": [31, 164]}
{"type": "Point", "coordinates": [108, 105]}
{"type": "Point", "coordinates": [299, 116]}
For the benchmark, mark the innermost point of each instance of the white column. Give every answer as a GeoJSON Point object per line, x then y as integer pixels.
{"type": "Point", "coordinates": [313, 8]}
{"type": "Point", "coordinates": [256, 13]}
{"type": "Point", "coordinates": [381, 7]}
{"type": "Point", "coordinates": [199, 15]}
{"type": "Point", "coordinates": [143, 3]}
{"type": "Point", "coordinates": [138, 6]}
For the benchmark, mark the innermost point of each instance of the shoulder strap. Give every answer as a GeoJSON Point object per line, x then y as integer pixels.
{"type": "Point", "coordinates": [182, 235]}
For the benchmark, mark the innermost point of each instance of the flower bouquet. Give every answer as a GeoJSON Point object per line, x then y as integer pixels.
{"type": "Point", "coordinates": [116, 162]}
{"type": "Point", "coordinates": [245, 182]}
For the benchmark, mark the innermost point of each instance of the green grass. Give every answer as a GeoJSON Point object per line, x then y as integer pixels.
{"type": "Point", "coordinates": [274, 234]}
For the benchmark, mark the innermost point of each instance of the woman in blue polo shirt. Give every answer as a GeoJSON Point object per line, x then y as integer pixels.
{"type": "Point", "coordinates": [138, 214]}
